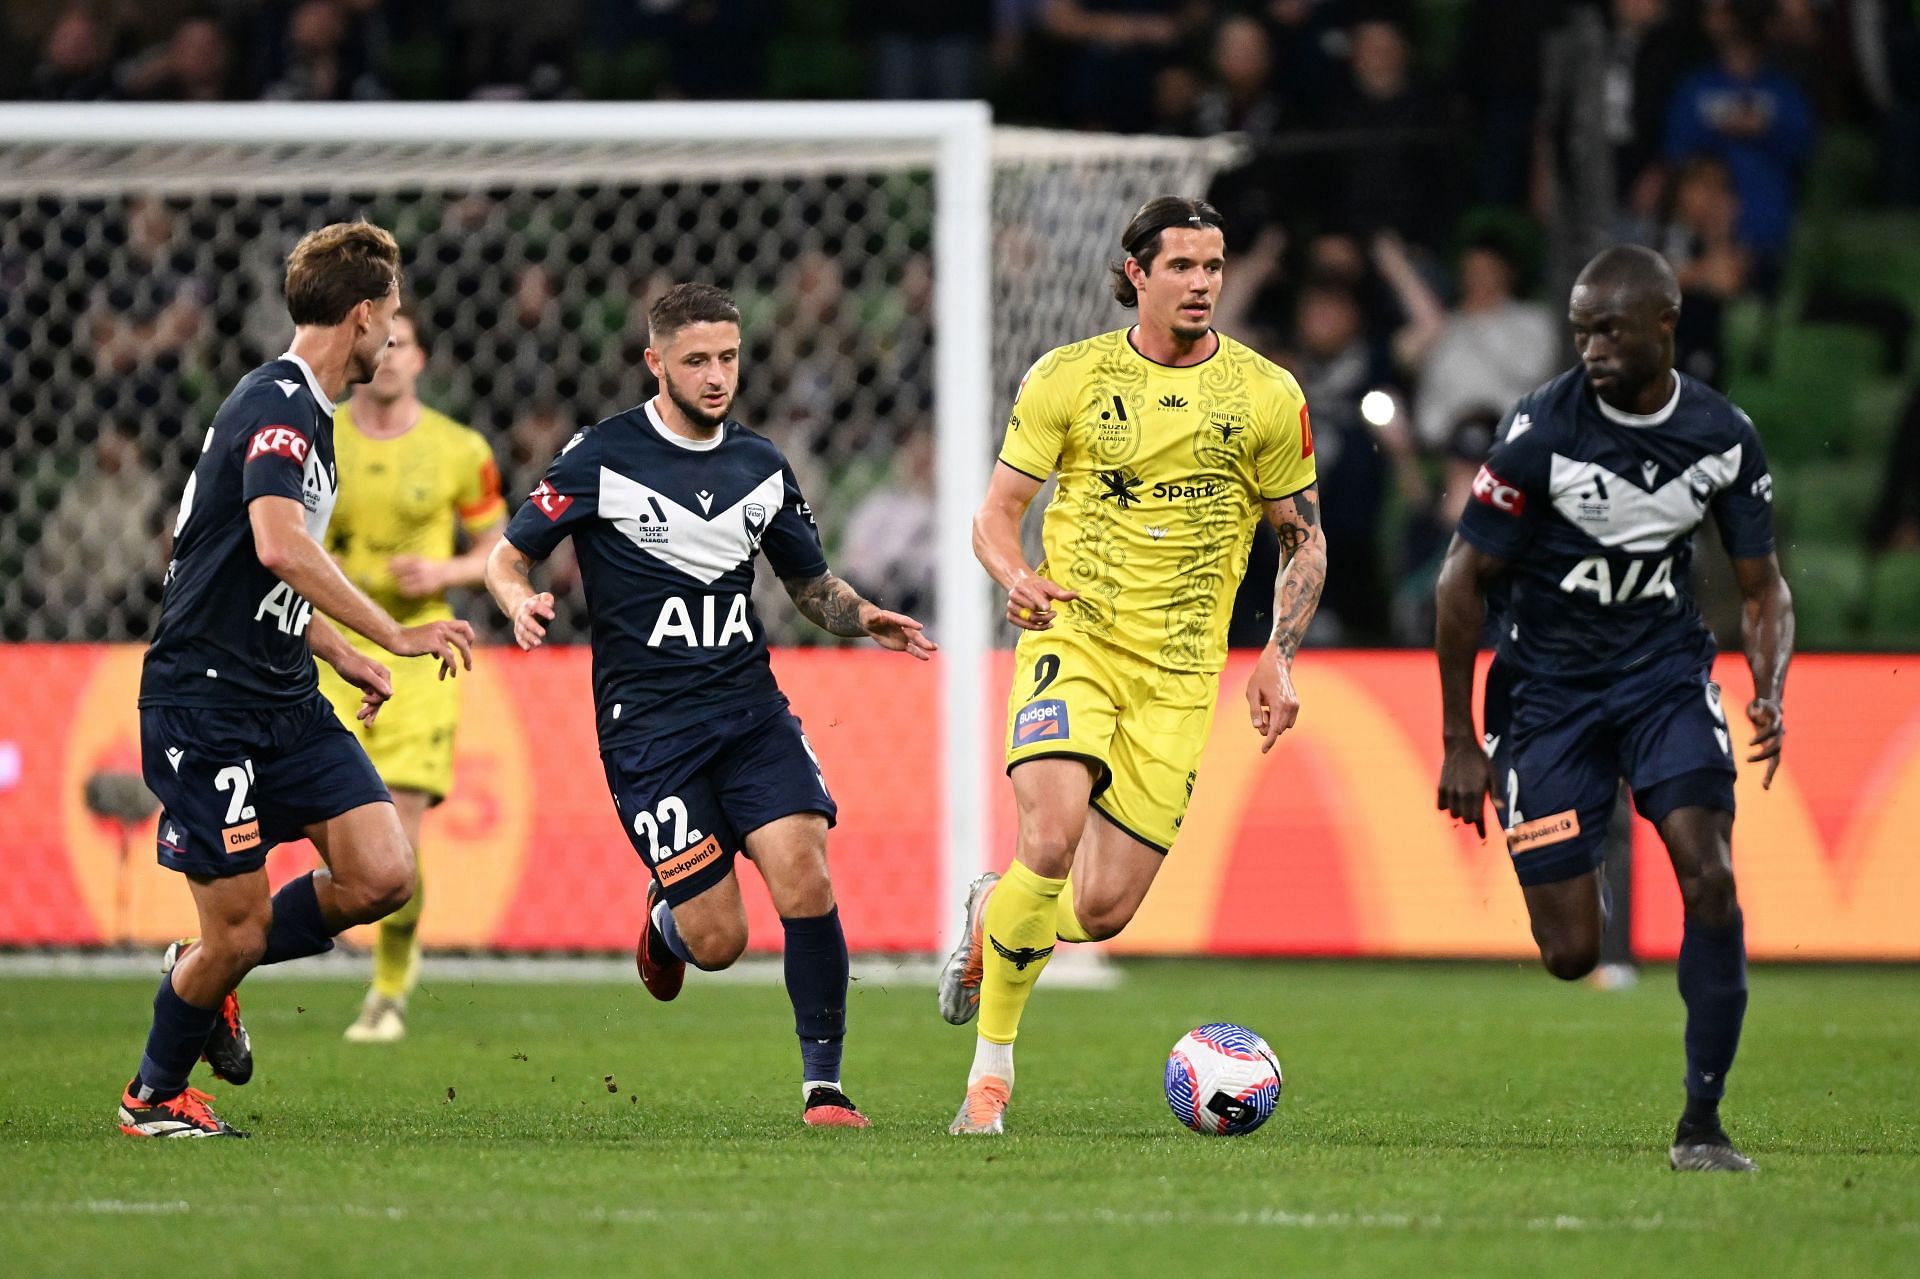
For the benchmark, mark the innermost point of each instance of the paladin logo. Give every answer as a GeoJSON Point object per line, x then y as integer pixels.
{"type": "Point", "coordinates": [1172, 402]}
{"type": "Point", "coordinates": [1022, 957]}
{"type": "Point", "coordinates": [1120, 487]}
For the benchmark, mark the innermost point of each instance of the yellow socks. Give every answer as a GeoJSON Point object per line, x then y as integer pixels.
{"type": "Point", "coordinates": [396, 948]}
{"type": "Point", "coordinates": [1066, 924]}
{"type": "Point", "coordinates": [1021, 918]}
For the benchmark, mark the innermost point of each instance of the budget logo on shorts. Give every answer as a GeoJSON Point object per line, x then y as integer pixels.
{"type": "Point", "coordinates": [680, 865]}
{"type": "Point", "coordinates": [1543, 831]}
{"type": "Point", "coordinates": [243, 838]}
{"type": "Point", "coordinates": [1040, 722]}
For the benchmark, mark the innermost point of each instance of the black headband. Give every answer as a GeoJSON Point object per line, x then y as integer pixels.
{"type": "Point", "coordinates": [1197, 221]}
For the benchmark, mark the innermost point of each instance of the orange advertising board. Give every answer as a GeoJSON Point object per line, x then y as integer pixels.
{"type": "Point", "coordinates": [1329, 845]}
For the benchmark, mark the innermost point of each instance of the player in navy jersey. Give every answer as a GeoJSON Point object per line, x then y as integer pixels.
{"type": "Point", "coordinates": [1586, 512]}
{"type": "Point", "coordinates": [667, 505]}
{"type": "Point", "coordinates": [236, 739]}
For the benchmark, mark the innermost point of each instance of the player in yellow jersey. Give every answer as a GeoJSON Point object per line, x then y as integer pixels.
{"type": "Point", "coordinates": [1171, 442]}
{"type": "Point", "coordinates": [410, 480]}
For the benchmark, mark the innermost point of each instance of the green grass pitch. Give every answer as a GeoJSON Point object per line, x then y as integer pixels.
{"type": "Point", "coordinates": [1440, 1119]}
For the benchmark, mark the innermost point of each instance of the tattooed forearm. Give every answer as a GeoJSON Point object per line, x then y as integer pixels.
{"type": "Point", "coordinates": [1303, 573]}
{"type": "Point", "coordinates": [828, 603]}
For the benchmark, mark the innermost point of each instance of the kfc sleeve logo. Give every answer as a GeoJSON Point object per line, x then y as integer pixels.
{"type": "Point", "coordinates": [1306, 432]}
{"type": "Point", "coordinates": [283, 441]}
{"type": "Point", "coordinates": [1490, 490]}
{"type": "Point", "coordinates": [552, 505]}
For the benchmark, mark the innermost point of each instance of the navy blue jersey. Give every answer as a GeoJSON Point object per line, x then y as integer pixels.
{"type": "Point", "coordinates": [666, 530]}
{"type": "Point", "coordinates": [232, 634]}
{"type": "Point", "coordinates": [1596, 510]}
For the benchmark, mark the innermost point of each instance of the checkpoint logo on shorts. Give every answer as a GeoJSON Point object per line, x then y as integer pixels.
{"type": "Point", "coordinates": [243, 838]}
{"type": "Point", "coordinates": [681, 865]}
{"type": "Point", "coordinates": [1541, 832]}
{"type": "Point", "coordinates": [1040, 722]}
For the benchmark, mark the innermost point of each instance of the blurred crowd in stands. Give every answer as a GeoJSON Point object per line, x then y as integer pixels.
{"type": "Point", "coordinates": [1426, 178]}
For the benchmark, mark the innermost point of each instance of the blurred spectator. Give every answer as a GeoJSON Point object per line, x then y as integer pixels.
{"type": "Point", "coordinates": [1115, 49]}
{"type": "Point", "coordinates": [1490, 350]}
{"type": "Point", "coordinates": [1886, 48]}
{"type": "Point", "coordinates": [1309, 39]}
{"type": "Point", "coordinates": [1337, 367]}
{"type": "Point", "coordinates": [144, 325]}
{"type": "Point", "coordinates": [1399, 179]}
{"type": "Point", "coordinates": [1498, 70]}
{"type": "Point", "coordinates": [101, 550]}
{"type": "Point", "coordinates": [1752, 116]}
{"type": "Point", "coordinates": [1895, 523]}
{"type": "Point", "coordinates": [926, 48]}
{"type": "Point", "coordinates": [1239, 96]}
{"type": "Point", "coordinates": [76, 64]}
{"type": "Point", "coordinates": [1701, 239]}
{"type": "Point", "coordinates": [888, 546]}
{"type": "Point", "coordinates": [508, 49]}
{"type": "Point", "coordinates": [712, 46]}
{"type": "Point", "coordinates": [1433, 512]}
{"type": "Point", "coordinates": [194, 65]}
{"type": "Point", "coordinates": [1645, 57]}
{"type": "Point", "coordinates": [322, 53]}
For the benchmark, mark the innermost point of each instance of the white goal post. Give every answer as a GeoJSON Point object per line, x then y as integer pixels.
{"type": "Point", "coordinates": [1022, 222]}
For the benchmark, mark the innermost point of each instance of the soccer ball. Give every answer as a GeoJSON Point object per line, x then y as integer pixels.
{"type": "Point", "coordinates": [1222, 1079]}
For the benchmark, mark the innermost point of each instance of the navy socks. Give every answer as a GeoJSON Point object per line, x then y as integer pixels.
{"type": "Point", "coordinates": [816, 965]}
{"type": "Point", "coordinates": [298, 928]}
{"type": "Point", "coordinates": [1713, 982]}
{"type": "Point", "coordinates": [178, 1037]}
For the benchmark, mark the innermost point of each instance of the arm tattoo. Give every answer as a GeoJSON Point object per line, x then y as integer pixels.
{"type": "Point", "coordinates": [1303, 573]}
{"type": "Point", "coordinates": [828, 603]}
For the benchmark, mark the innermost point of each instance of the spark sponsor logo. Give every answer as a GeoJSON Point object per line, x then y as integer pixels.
{"type": "Point", "coordinates": [550, 503]}
{"type": "Point", "coordinates": [1040, 722]}
{"type": "Point", "coordinates": [1543, 831]}
{"type": "Point", "coordinates": [1186, 490]}
{"type": "Point", "coordinates": [1490, 490]}
{"type": "Point", "coordinates": [280, 441]}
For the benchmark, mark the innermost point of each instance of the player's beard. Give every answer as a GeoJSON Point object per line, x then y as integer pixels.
{"type": "Point", "coordinates": [700, 417]}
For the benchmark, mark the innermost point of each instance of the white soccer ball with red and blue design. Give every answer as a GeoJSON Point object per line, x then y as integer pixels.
{"type": "Point", "coordinates": [1222, 1079]}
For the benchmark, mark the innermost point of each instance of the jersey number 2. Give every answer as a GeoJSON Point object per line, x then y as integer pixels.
{"type": "Point", "coordinates": [1045, 671]}
{"type": "Point", "coordinates": [650, 826]}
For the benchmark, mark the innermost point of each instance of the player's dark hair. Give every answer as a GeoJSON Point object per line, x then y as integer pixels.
{"type": "Point", "coordinates": [410, 312]}
{"type": "Point", "coordinates": [685, 304]}
{"type": "Point", "coordinates": [338, 267]}
{"type": "Point", "coordinates": [1141, 239]}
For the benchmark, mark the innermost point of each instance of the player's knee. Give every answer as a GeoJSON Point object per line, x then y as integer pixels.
{"type": "Point", "coordinates": [376, 891]}
{"type": "Point", "coordinates": [1102, 920]}
{"type": "Point", "coordinates": [1047, 843]}
{"type": "Point", "coordinates": [715, 949]}
{"type": "Point", "coordinates": [1570, 961]}
{"type": "Point", "coordinates": [1708, 895]}
{"type": "Point", "coordinates": [236, 947]}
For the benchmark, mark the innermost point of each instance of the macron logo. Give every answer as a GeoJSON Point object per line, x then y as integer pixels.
{"type": "Point", "coordinates": [286, 388]}
{"type": "Point", "coordinates": [174, 756]}
{"type": "Point", "coordinates": [282, 441]}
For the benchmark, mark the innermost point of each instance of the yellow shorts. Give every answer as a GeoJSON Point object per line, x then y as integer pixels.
{"type": "Point", "coordinates": [1142, 726]}
{"type": "Point", "coordinates": [411, 740]}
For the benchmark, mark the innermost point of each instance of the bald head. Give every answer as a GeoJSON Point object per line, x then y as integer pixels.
{"type": "Point", "coordinates": [1640, 274]}
{"type": "Point", "coordinates": [1624, 308]}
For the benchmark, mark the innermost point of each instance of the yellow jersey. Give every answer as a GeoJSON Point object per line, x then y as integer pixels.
{"type": "Point", "coordinates": [1163, 476]}
{"type": "Point", "coordinates": [404, 496]}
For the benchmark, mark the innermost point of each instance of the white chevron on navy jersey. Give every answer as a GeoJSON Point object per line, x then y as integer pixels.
{"type": "Point", "coordinates": [1618, 512]}
{"type": "Point", "coordinates": [704, 548]}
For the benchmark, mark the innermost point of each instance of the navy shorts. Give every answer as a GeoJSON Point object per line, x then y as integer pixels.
{"type": "Point", "coordinates": [1560, 748]}
{"type": "Point", "coordinates": [232, 784]}
{"type": "Point", "coordinates": [688, 799]}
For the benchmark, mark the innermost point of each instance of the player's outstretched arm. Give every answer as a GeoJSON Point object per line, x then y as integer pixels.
{"type": "Point", "coordinates": [996, 544]}
{"type": "Point", "coordinates": [419, 576]}
{"type": "Point", "coordinates": [1460, 608]}
{"type": "Point", "coordinates": [509, 580]}
{"type": "Point", "coordinates": [373, 680]}
{"type": "Point", "coordinates": [290, 553]}
{"type": "Point", "coordinates": [1271, 701]}
{"type": "Point", "coordinates": [838, 609]}
{"type": "Point", "coordinates": [1766, 628]}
